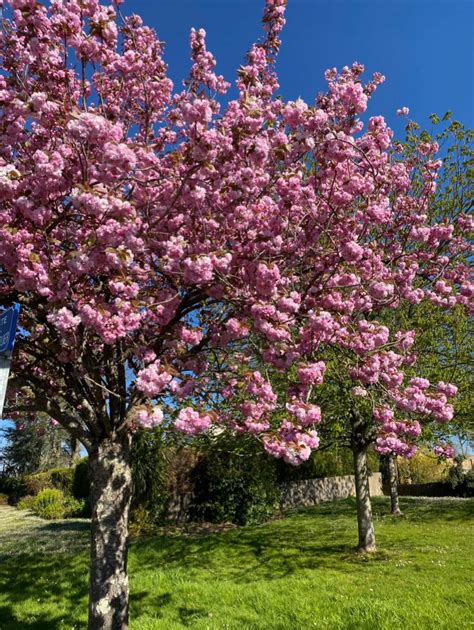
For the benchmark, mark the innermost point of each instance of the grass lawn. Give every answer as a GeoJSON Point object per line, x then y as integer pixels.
{"type": "Point", "coordinates": [295, 573]}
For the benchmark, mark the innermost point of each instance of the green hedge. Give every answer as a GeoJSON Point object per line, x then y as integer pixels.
{"type": "Point", "coordinates": [55, 478]}
{"type": "Point", "coordinates": [235, 482]}
{"type": "Point", "coordinates": [81, 485]}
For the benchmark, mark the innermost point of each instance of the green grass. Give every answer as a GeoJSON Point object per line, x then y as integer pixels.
{"type": "Point", "coordinates": [295, 573]}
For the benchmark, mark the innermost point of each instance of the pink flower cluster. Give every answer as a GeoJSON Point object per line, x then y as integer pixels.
{"type": "Point", "coordinates": [149, 419]}
{"type": "Point", "coordinates": [160, 231]}
{"type": "Point", "coordinates": [290, 444]}
{"type": "Point", "coordinates": [312, 374]}
{"type": "Point", "coordinates": [153, 379]}
{"type": "Point", "coordinates": [192, 422]}
{"type": "Point", "coordinates": [444, 450]}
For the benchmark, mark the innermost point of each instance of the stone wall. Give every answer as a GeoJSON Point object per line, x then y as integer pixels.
{"type": "Point", "coordinates": [313, 491]}
{"type": "Point", "coordinates": [294, 494]}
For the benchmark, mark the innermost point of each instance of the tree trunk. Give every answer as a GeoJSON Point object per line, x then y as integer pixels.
{"type": "Point", "coordinates": [75, 447]}
{"type": "Point", "coordinates": [392, 476]}
{"type": "Point", "coordinates": [111, 483]}
{"type": "Point", "coordinates": [364, 508]}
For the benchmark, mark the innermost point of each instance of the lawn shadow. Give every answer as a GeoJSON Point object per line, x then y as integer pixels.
{"type": "Point", "coordinates": [60, 580]}
{"type": "Point", "coordinates": [271, 551]}
{"type": "Point", "coordinates": [65, 526]}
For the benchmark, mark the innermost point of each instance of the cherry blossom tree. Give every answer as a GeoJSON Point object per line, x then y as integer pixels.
{"type": "Point", "coordinates": [145, 230]}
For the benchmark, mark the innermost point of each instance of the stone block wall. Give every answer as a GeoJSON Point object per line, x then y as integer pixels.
{"type": "Point", "coordinates": [314, 491]}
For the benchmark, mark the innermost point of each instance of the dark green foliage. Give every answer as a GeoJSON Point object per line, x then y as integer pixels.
{"type": "Point", "coordinates": [62, 479]}
{"type": "Point", "coordinates": [468, 489]}
{"type": "Point", "coordinates": [150, 458]}
{"type": "Point", "coordinates": [76, 508]}
{"type": "Point", "coordinates": [461, 481]}
{"type": "Point", "coordinates": [14, 487]}
{"type": "Point", "coordinates": [81, 485]}
{"type": "Point", "coordinates": [235, 482]}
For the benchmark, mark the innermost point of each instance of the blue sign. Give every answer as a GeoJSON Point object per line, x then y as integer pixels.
{"type": "Point", "coordinates": [8, 321]}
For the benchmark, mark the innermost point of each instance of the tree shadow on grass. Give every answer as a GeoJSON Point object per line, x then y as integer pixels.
{"type": "Point", "coordinates": [66, 526]}
{"type": "Point", "coordinates": [320, 537]}
{"type": "Point", "coordinates": [54, 585]}
{"type": "Point", "coordinates": [268, 552]}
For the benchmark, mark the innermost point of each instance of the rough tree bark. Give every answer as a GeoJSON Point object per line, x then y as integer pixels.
{"type": "Point", "coordinates": [364, 508]}
{"type": "Point", "coordinates": [111, 489]}
{"type": "Point", "coordinates": [393, 481]}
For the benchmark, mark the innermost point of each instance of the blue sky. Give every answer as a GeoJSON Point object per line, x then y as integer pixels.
{"type": "Point", "coordinates": [425, 48]}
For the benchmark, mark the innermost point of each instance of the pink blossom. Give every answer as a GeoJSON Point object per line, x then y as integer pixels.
{"type": "Point", "coordinates": [312, 374]}
{"type": "Point", "coordinates": [403, 111]}
{"type": "Point", "coordinates": [444, 450]}
{"type": "Point", "coordinates": [148, 419]}
{"type": "Point", "coordinates": [64, 320]}
{"type": "Point", "coordinates": [192, 422]}
{"type": "Point", "coordinates": [153, 379]}
{"type": "Point", "coordinates": [198, 270]}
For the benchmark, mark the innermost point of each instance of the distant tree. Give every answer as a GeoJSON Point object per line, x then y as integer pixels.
{"type": "Point", "coordinates": [34, 445]}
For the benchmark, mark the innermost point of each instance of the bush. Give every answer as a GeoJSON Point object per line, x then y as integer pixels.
{"type": "Point", "coordinates": [75, 508]}
{"type": "Point", "coordinates": [141, 521]}
{"type": "Point", "coordinates": [3, 499]}
{"type": "Point", "coordinates": [422, 468]}
{"type": "Point", "coordinates": [81, 485]}
{"type": "Point", "coordinates": [55, 478]}
{"type": "Point", "coordinates": [49, 504]}
{"type": "Point", "coordinates": [62, 479]}
{"type": "Point", "coordinates": [37, 482]}
{"type": "Point", "coordinates": [461, 481]}
{"type": "Point", "coordinates": [468, 489]}
{"type": "Point", "coordinates": [151, 492]}
{"type": "Point", "coordinates": [26, 503]}
{"type": "Point", "coordinates": [238, 484]}
{"type": "Point", "coordinates": [14, 487]}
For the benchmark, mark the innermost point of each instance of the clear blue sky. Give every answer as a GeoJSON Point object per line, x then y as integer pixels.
{"type": "Point", "coordinates": [425, 48]}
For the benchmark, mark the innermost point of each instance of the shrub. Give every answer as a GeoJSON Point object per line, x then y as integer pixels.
{"type": "Point", "coordinates": [3, 499]}
{"type": "Point", "coordinates": [26, 503]}
{"type": "Point", "coordinates": [59, 478]}
{"type": "Point", "coordinates": [62, 479]}
{"type": "Point", "coordinates": [141, 521]}
{"type": "Point", "coordinates": [75, 508]}
{"type": "Point", "coordinates": [13, 487]}
{"type": "Point", "coordinates": [461, 481]}
{"type": "Point", "coordinates": [81, 485]}
{"type": "Point", "coordinates": [150, 461]}
{"type": "Point", "coordinates": [469, 484]}
{"type": "Point", "coordinates": [422, 468]}
{"type": "Point", "coordinates": [235, 482]}
{"type": "Point", "coordinates": [49, 504]}
{"type": "Point", "coordinates": [37, 482]}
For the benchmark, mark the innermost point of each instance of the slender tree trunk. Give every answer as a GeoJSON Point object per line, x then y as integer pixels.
{"type": "Point", "coordinates": [109, 464]}
{"type": "Point", "coordinates": [75, 447]}
{"type": "Point", "coordinates": [364, 508]}
{"type": "Point", "coordinates": [393, 481]}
